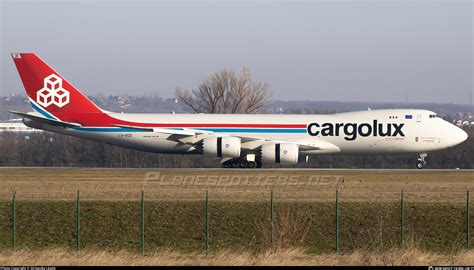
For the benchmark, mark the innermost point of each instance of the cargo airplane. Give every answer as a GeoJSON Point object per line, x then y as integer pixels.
{"type": "Point", "coordinates": [238, 141]}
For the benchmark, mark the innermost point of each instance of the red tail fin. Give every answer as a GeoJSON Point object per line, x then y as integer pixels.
{"type": "Point", "coordinates": [49, 93]}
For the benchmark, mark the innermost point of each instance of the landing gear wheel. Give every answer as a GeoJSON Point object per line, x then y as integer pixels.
{"type": "Point", "coordinates": [419, 165]}
{"type": "Point", "coordinates": [252, 164]}
{"type": "Point", "coordinates": [236, 163]}
{"type": "Point", "coordinates": [227, 164]}
{"type": "Point", "coordinates": [421, 161]}
{"type": "Point", "coordinates": [243, 163]}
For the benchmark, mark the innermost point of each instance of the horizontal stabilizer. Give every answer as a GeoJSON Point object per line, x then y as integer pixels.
{"type": "Point", "coordinates": [46, 120]}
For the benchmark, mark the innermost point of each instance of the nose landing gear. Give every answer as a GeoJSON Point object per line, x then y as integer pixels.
{"type": "Point", "coordinates": [421, 161]}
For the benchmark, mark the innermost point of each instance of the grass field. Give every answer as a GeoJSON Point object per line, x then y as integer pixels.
{"type": "Point", "coordinates": [245, 185]}
{"type": "Point", "coordinates": [404, 257]}
{"type": "Point", "coordinates": [239, 209]}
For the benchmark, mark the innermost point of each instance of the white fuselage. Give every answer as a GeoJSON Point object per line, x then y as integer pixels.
{"type": "Point", "coordinates": [423, 132]}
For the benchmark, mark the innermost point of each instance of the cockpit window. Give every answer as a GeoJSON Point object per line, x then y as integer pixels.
{"type": "Point", "coordinates": [433, 116]}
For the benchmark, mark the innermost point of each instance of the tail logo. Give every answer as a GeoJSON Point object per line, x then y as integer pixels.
{"type": "Point", "coordinates": [52, 92]}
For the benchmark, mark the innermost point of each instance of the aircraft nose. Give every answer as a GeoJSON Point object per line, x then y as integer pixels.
{"type": "Point", "coordinates": [460, 135]}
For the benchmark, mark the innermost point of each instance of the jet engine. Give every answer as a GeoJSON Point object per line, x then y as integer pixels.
{"type": "Point", "coordinates": [286, 153]}
{"type": "Point", "coordinates": [222, 147]}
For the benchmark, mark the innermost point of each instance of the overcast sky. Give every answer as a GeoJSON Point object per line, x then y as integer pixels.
{"type": "Point", "coordinates": [308, 50]}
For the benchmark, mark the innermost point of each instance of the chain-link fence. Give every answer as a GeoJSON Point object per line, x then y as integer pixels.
{"type": "Point", "coordinates": [203, 219]}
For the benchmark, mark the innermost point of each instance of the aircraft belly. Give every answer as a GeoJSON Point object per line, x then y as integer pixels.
{"type": "Point", "coordinates": [144, 141]}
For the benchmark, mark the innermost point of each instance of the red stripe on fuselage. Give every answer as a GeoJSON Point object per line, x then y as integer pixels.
{"type": "Point", "coordinates": [105, 120]}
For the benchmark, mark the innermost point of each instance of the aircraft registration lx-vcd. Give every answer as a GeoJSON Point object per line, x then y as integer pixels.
{"type": "Point", "coordinates": [238, 141]}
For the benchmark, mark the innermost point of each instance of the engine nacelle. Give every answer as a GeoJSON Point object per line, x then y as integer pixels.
{"type": "Point", "coordinates": [222, 147]}
{"type": "Point", "coordinates": [286, 153]}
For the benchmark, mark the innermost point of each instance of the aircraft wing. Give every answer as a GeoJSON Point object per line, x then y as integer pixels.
{"type": "Point", "coordinates": [251, 143]}
{"type": "Point", "coordinates": [193, 136]}
{"type": "Point", "coordinates": [315, 144]}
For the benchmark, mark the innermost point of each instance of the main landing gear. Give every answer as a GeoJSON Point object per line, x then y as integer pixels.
{"type": "Point", "coordinates": [421, 161]}
{"type": "Point", "coordinates": [241, 163]}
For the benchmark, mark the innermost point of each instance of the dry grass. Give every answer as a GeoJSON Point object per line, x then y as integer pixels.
{"type": "Point", "coordinates": [289, 231]}
{"type": "Point", "coordinates": [406, 257]}
{"type": "Point", "coordinates": [126, 184]}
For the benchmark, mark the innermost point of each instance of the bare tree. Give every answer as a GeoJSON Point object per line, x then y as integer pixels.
{"type": "Point", "coordinates": [226, 92]}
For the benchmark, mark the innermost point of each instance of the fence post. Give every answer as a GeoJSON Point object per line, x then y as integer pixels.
{"type": "Point", "coordinates": [337, 221]}
{"type": "Point", "coordinates": [142, 223]}
{"type": "Point", "coordinates": [207, 222]}
{"type": "Point", "coordinates": [78, 222]}
{"type": "Point", "coordinates": [468, 221]}
{"type": "Point", "coordinates": [272, 221]}
{"type": "Point", "coordinates": [402, 220]}
{"type": "Point", "coordinates": [14, 220]}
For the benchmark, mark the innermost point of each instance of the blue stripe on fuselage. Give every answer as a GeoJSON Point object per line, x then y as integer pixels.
{"type": "Point", "coordinates": [234, 130]}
